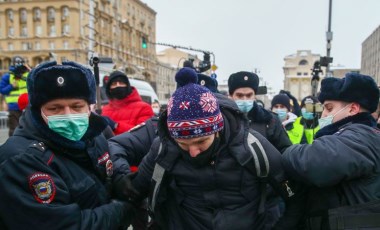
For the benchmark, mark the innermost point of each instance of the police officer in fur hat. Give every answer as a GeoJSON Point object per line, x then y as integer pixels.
{"type": "Point", "coordinates": [242, 87]}
{"type": "Point", "coordinates": [342, 165]}
{"type": "Point", "coordinates": [56, 170]}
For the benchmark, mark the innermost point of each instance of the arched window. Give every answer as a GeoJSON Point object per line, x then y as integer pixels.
{"type": "Point", "coordinates": [23, 15]}
{"type": "Point", "coordinates": [51, 14]}
{"type": "Point", "coordinates": [303, 62]}
{"type": "Point", "coordinates": [37, 14]}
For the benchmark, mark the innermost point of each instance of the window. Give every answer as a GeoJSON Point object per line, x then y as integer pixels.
{"type": "Point", "coordinates": [38, 30]}
{"type": "Point", "coordinates": [65, 12]}
{"type": "Point", "coordinates": [305, 74]}
{"type": "Point", "coordinates": [24, 46]}
{"type": "Point", "coordinates": [65, 45]}
{"type": "Point", "coordinates": [51, 45]}
{"type": "Point", "coordinates": [23, 16]}
{"type": "Point", "coordinates": [51, 14]}
{"type": "Point", "coordinates": [66, 29]}
{"type": "Point", "coordinates": [52, 31]}
{"type": "Point", "coordinates": [24, 31]}
{"type": "Point", "coordinates": [11, 31]}
{"type": "Point", "coordinates": [37, 14]}
{"type": "Point", "coordinates": [10, 46]}
{"type": "Point", "coordinates": [37, 46]}
{"type": "Point", "coordinates": [10, 15]}
{"type": "Point", "coordinates": [299, 74]}
{"type": "Point", "coordinates": [303, 62]}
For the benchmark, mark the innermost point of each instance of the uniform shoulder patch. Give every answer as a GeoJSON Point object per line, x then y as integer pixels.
{"type": "Point", "coordinates": [137, 127]}
{"type": "Point", "coordinates": [42, 187]}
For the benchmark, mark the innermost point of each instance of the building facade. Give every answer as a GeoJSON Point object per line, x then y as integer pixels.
{"type": "Point", "coordinates": [297, 71]}
{"type": "Point", "coordinates": [41, 30]}
{"type": "Point", "coordinates": [370, 60]}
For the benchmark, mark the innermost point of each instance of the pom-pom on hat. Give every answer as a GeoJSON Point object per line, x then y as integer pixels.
{"type": "Point", "coordinates": [243, 79]}
{"type": "Point", "coordinates": [208, 82]}
{"type": "Point", "coordinates": [354, 87]}
{"type": "Point", "coordinates": [281, 99]}
{"type": "Point", "coordinates": [193, 110]}
{"type": "Point", "coordinates": [51, 81]}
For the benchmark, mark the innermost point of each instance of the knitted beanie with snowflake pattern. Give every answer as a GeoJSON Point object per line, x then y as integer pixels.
{"type": "Point", "coordinates": [193, 110]}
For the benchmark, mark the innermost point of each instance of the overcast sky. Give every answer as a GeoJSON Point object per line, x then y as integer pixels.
{"type": "Point", "coordinates": [258, 34]}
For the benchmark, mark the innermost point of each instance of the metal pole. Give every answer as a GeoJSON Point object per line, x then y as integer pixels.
{"type": "Point", "coordinates": [329, 37]}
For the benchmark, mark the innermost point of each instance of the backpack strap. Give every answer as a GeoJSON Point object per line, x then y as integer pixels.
{"type": "Point", "coordinates": [261, 163]}
{"type": "Point", "coordinates": [158, 175]}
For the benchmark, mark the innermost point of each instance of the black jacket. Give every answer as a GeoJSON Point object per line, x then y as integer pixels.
{"type": "Point", "coordinates": [269, 125]}
{"type": "Point", "coordinates": [50, 182]}
{"type": "Point", "coordinates": [129, 148]}
{"type": "Point", "coordinates": [223, 194]}
{"type": "Point", "coordinates": [341, 166]}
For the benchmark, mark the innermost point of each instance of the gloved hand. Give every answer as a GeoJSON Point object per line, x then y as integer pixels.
{"type": "Point", "coordinates": [123, 189]}
{"type": "Point", "coordinates": [111, 123]}
{"type": "Point", "coordinates": [129, 212]}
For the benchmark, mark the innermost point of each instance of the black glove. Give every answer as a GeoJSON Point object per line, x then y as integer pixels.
{"type": "Point", "coordinates": [129, 212]}
{"type": "Point", "coordinates": [111, 123]}
{"type": "Point", "coordinates": [123, 189]}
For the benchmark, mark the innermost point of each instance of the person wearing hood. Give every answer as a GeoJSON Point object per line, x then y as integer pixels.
{"type": "Point", "coordinates": [55, 171]}
{"type": "Point", "coordinates": [200, 146]}
{"type": "Point", "coordinates": [281, 106]}
{"type": "Point", "coordinates": [342, 165]}
{"type": "Point", "coordinates": [125, 108]}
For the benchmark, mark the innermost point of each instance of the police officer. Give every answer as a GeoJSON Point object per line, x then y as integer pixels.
{"type": "Point", "coordinates": [12, 85]}
{"type": "Point", "coordinates": [202, 169]}
{"type": "Point", "coordinates": [342, 165]}
{"type": "Point", "coordinates": [242, 87]}
{"type": "Point", "coordinates": [55, 171]}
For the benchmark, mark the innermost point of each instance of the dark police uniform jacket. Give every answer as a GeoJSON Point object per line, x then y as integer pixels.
{"type": "Point", "coordinates": [47, 185]}
{"type": "Point", "coordinates": [342, 166]}
{"type": "Point", "coordinates": [269, 125]}
{"type": "Point", "coordinates": [223, 194]}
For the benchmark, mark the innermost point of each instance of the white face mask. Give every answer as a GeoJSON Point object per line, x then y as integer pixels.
{"type": "Point", "coordinates": [156, 110]}
{"type": "Point", "coordinates": [328, 120]}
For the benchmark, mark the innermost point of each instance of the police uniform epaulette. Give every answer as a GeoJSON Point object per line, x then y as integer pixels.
{"type": "Point", "coordinates": [137, 127]}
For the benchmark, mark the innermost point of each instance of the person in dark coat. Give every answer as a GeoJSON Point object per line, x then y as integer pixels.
{"type": "Point", "coordinates": [129, 148]}
{"type": "Point", "coordinates": [55, 171]}
{"type": "Point", "coordinates": [242, 87]}
{"type": "Point", "coordinates": [210, 180]}
{"type": "Point", "coordinates": [342, 165]}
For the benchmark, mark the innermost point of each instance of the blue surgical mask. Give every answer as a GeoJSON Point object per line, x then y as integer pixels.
{"type": "Point", "coordinates": [70, 126]}
{"type": "Point", "coordinates": [244, 105]}
{"type": "Point", "coordinates": [328, 120]}
{"type": "Point", "coordinates": [307, 115]}
{"type": "Point", "coordinates": [281, 113]}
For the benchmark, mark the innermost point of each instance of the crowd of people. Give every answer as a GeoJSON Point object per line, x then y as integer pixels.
{"type": "Point", "coordinates": [206, 161]}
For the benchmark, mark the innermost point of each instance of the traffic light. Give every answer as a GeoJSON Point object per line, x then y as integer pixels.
{"type": "Point", "coordinates": [144, 44]}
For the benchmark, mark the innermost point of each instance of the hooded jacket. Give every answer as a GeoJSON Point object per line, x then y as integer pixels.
{"type": "Point", "coordinates": [128, 112]}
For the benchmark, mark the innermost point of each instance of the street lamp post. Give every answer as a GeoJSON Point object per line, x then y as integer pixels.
{"type": "Point", "coordinates": [329, 37]}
